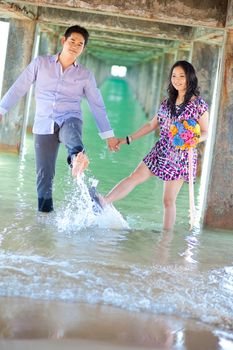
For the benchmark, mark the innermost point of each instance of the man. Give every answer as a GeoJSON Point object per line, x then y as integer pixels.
{"type": "Point", "coordinates": [60, 85]}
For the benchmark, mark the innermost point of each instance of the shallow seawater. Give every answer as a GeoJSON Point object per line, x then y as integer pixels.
{"type": "Point", "coordinates": [120, 263]}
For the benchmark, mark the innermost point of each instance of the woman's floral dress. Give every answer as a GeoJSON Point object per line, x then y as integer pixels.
{"type": "Point", "coordinates": [165, 160]}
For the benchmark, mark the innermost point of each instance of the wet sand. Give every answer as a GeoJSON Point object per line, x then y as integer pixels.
{"type": "Point", "coordinates": [32, 324]}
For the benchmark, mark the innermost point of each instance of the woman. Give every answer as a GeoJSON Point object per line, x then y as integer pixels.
{"type": "Point", "coordinates": [165, 160]}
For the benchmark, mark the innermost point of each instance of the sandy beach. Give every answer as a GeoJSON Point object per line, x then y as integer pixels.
{"type": "Point", "coordinates": [27, 324]}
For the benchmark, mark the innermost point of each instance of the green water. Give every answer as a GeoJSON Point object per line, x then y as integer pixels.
{"type": "Point", "coordinates": [139, 268]}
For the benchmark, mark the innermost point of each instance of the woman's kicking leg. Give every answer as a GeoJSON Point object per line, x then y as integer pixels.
{"type": "Point", "coordinates": [140, 174]}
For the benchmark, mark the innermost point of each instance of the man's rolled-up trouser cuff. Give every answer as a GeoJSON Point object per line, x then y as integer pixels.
{"type": "Point", "coordinates": [45, 205]}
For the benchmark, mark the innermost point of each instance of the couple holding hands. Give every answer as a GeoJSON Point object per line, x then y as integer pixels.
{"type": "Point", "coordinates": [60, 85]}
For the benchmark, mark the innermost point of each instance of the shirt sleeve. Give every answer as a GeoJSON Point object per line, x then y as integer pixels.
{"type": "Point", "coordinates": [19, 88]}
{"type": "Point", "coordinates": [96, 104]}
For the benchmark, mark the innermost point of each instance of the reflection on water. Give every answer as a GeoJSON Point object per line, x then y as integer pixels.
{"type": "Point", "coordinates": [179, 283]}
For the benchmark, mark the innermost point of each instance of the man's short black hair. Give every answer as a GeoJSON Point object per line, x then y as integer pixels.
{"type": "Point", "coordinates": [77, 29]}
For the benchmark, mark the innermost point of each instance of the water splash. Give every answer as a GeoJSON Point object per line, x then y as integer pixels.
{"type": "Point", "coordinates": [78, 212]}
{"type": "Point", "coordinates": [111, 218]}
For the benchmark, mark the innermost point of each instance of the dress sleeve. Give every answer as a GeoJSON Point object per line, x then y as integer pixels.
{"type": "Point", "coordinates": [202, 107]}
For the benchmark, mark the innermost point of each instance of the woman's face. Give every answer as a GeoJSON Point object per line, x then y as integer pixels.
{"type": "Point", "coordinates": [178, 79]}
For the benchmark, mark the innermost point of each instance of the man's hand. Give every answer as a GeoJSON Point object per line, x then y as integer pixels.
{"type": "Point", "coordinates": [113, 144]}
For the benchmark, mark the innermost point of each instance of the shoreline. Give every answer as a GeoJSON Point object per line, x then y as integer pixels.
{"type": "Point", "coordinates": [26, 323]}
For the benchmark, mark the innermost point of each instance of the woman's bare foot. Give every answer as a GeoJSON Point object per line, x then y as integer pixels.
{"type": "Point", "coordinates": [79, 164]}
{"type": "Point", "coordinates": [96, 197]}
{"type": "Point", "coordinates": [102, 201]}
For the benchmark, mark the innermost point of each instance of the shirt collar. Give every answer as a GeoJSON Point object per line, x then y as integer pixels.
{"type": "Point", "coordinates": [56, 57]}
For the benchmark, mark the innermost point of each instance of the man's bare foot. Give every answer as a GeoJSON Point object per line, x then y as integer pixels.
{"type": "Point", "coordinates": [79, 164]}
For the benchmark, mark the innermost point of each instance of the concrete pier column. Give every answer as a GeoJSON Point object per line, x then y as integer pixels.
{"type": "Point", "coordinates": [219, 201]}
{"type": "Point", "coordinates": [49, 42]}
{"type": "Point", "coordinates": [205, 59]}
{"type": "Point", "coordinates": [169, 60]}
{"type": "Point", "coordinates": [133, 77]}
{"type": "Point", "coordinates": [159, 82]}
{"type": "Point", "coordinates": [183, 55]}
{"type": "Point", "coordinates": [145, 80]}
{"type": "Point", "coordinates": [142, 84]}
{"type": "Point", "coordinates": [150, 107]}
{"type": "Point", "coordinates": [18, 56]}
{"type": "Point", "coordinates": [100, 69]}
{"type": "Point", "coordinates": [142, 80]}
{"type": "Point", "coordinates": [43, 43]}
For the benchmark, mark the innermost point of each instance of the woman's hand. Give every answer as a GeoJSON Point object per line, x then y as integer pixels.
{"type": "Point", "coordinates": [122, 141]}
{"type": "Point", "coordinates": [113, 144]}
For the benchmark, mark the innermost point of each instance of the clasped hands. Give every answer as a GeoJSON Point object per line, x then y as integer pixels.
{"type": "Point", "coordinates": [115, 142]}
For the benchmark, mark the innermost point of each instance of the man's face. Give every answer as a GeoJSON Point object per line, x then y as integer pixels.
{"type": "Point", "coordinates": [73, 46]}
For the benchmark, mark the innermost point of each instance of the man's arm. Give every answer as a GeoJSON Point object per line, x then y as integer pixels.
{"type": "Point", "coordinates": [19, 88]}
{"type": "Point", "coordinates": [98, 109]}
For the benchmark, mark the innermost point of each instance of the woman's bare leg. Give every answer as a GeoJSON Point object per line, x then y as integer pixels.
{"type": "Point", "coordinates": [140, 174]}
{"type": "Point", "coordinates": [170, 192]}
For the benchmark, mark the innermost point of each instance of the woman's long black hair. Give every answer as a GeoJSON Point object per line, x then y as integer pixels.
{"type": "Point", "coordinates": [192, 85]}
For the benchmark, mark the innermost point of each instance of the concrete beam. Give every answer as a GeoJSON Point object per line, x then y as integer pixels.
{"type": "Point", "coordinates": [209, 36]}
{"type": "Point", "coordinates": [124, 41]}
{"type": "Point", "coordinates": [209, 13]}
{"type": "Point", "coordinates": [132, 40]}
{"type": "Point", "coordinates": [125, 52]}
{"type": "Point", "coordinates": [115, 24]}
{"type": "Point", "coordinates": [112, 38]}
{"type": "Point", "coordinates": [17, 11]}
